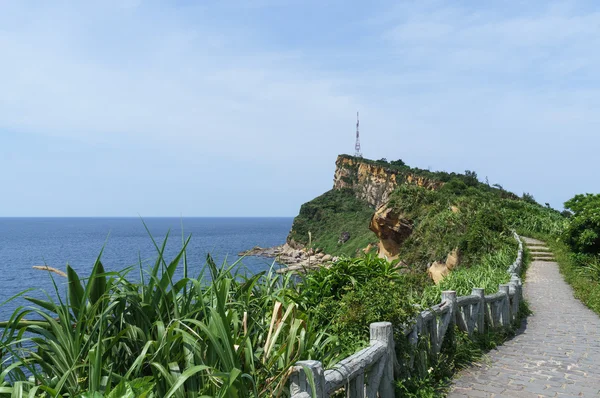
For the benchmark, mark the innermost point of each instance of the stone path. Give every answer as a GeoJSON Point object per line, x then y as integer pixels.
{"type": "Point", "coordinates": [555, 354]}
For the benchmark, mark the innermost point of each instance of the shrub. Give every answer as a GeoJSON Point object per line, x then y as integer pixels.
{"type": "Point", "coordinates": [344, 275]}
{"type": "Point", "coordinates": [372, 302]}
{"type": "Point", "coordinates": [583, 231]}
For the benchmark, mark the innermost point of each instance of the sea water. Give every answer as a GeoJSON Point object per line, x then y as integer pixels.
{"type": "Point", "coordinates": [26, 242]}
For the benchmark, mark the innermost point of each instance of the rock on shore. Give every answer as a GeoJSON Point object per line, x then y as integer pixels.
{"type": "Point", "coordinates": [297, 260]}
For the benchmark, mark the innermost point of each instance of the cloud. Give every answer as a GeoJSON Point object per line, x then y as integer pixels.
{"type": "Point", "coordinates": [167, 80]}
{"type": "Point", "coordinates": [274, 84]}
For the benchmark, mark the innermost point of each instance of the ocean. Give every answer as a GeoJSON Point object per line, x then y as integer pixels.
{"type": "Point", "coordinates": [26, 242]}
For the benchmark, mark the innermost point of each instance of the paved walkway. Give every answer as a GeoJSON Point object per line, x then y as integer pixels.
{"type": "Point", "coordinates": [555, 354]}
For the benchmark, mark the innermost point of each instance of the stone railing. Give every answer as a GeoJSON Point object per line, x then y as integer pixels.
{"type": "Point", "coordinates": [370, 372]}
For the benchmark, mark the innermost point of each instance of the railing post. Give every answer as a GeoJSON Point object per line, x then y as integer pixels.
{"type": "Point", "coordinates": [449, 296]}
{"type": "Point", "coordinates": [383, 332]}
{"type": "Point", "coordinates": [300, 381]}
{"type": "Point", "coordinates": [518, 284]}
{"type": "Point", "coordinates": [356, 387]}
{"type": "Point", "coordinates": [505, 321]}
{"type": "Point", "coordinates": [479, 292]}
{"type": "Point", "coordinates": [518, 294]}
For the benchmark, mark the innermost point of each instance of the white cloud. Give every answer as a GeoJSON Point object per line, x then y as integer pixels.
{"type": "Point", "coordinates": [438, 84]}
{"type": "Point", "coordinates": [180, 83]}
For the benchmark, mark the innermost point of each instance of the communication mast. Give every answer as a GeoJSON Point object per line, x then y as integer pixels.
{"type": "Point", "coordinates": [357, 151]}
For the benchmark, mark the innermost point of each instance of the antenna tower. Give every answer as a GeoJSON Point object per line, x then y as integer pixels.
{"type": "Point", "coordinates": [357, 151]}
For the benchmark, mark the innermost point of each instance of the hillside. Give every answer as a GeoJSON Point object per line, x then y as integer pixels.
{"type": "Point", "coordinates": [416, 216]}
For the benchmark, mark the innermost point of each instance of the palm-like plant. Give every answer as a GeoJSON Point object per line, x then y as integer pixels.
{"type": "Point", "coordinates": [234, 336]}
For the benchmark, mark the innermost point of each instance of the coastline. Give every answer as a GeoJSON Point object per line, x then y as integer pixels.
{"type": "Point", "coordinates": [294, 260]}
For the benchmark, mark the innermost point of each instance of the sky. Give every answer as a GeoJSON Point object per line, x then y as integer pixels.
{"type": "Point", "coordinates": [239, 108]}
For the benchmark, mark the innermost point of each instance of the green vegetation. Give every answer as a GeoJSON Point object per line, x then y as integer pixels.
{"type": "Point", "coordinates": [467, 219]}
{"type": "Point", "coordinates": [488, 275]}
{"type": "Point", "coordinates": [236, 336]}
{"type": "Point", "coordinates": [583, 231]}
{"type": "Point", "coordinates": [352, 293]}
{"type": "Point", "coordinates": [232, 336]}
{"type": "Point", "coordinates": [336, 212]}
{"type": "Point", "coordinates": [328, 216]}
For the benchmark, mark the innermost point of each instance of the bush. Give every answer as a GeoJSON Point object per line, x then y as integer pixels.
{"type": "Point", "coordinates": [583, 231]}
{"type": "Point", "coordinates": [345, 275]}
{"type": "Point", "coordinates": [372, 302]}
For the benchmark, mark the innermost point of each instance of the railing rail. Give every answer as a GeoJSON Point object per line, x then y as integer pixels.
{"type": "Point", "coordinates": [373, 364]}
{"type": "Point", "coordinates": [369, 372]}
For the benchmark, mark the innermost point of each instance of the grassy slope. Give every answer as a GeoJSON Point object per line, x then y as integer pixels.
{"type": "Point", "coordinates": [330, 214]}
{"type": "Point", "coordinates": [446, 219]}
{"type": "Point", "coordinates": [484, 212]}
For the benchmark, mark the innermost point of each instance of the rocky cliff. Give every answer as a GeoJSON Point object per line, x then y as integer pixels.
{"type": "Point", "coordinates": [352, 216]}
{"type": "Point", "coordinates": [373, 183]}
{"type": "Point", "coordinates": [406, 214]}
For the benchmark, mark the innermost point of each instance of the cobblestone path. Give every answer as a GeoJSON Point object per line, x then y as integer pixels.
{"type": "Point", "coordinates": [555, 354]}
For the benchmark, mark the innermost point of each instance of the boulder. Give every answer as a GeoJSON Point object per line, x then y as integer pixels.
{"type": "Point", "coordinates": [344, 236]}
{"type": "Point", "coordinates": [437, 271]}
{"type": "Point", "coordinates": [392, 230]}
{"type": "Point", "coordinates": [368, 248]}
{"type": "Point", "coordinates": [453, 259]}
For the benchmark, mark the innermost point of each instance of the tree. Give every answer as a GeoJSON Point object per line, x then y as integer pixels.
{"type": "Point", "coordinates": [566, 213]}
{"type": "Point", "coordinates": [583, 231]}
{"type": "Point", "coordinates": [471, 178]}
{"type": "Point", "coordinates": [398, 162]}
{"type": "Point", "coordinates": [527, 197]}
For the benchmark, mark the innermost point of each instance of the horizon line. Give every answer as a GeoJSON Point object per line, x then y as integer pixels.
{"type": "Point", "coordinates": [140, 217]}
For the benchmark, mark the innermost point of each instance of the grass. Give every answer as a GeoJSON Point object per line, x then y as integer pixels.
{"type": "Point", "coordinates": [327, 217]}
{"type": "Point", "coordinates": [488, 275]}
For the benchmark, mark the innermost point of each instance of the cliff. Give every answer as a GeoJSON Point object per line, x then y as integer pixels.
{"type": "Point", "coordinates": [372, 182]}
{"type": "Point", "coordinates": [423, 219]}
{"type": "Point", "coordinates": [339, 220]}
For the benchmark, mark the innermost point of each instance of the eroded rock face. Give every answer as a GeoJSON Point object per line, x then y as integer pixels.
{"type": "Point", "coordinates": [438, 270]}
{"type": "Point", "coordinates": [372, 183]}
{"type": "Point", "coordinates": [391, 229]}
{"type": "Point", "coordinates": [453, 259]}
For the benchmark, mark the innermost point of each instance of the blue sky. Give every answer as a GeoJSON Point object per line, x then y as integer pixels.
{"type": "Point", "coordinates": [239, 108]}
